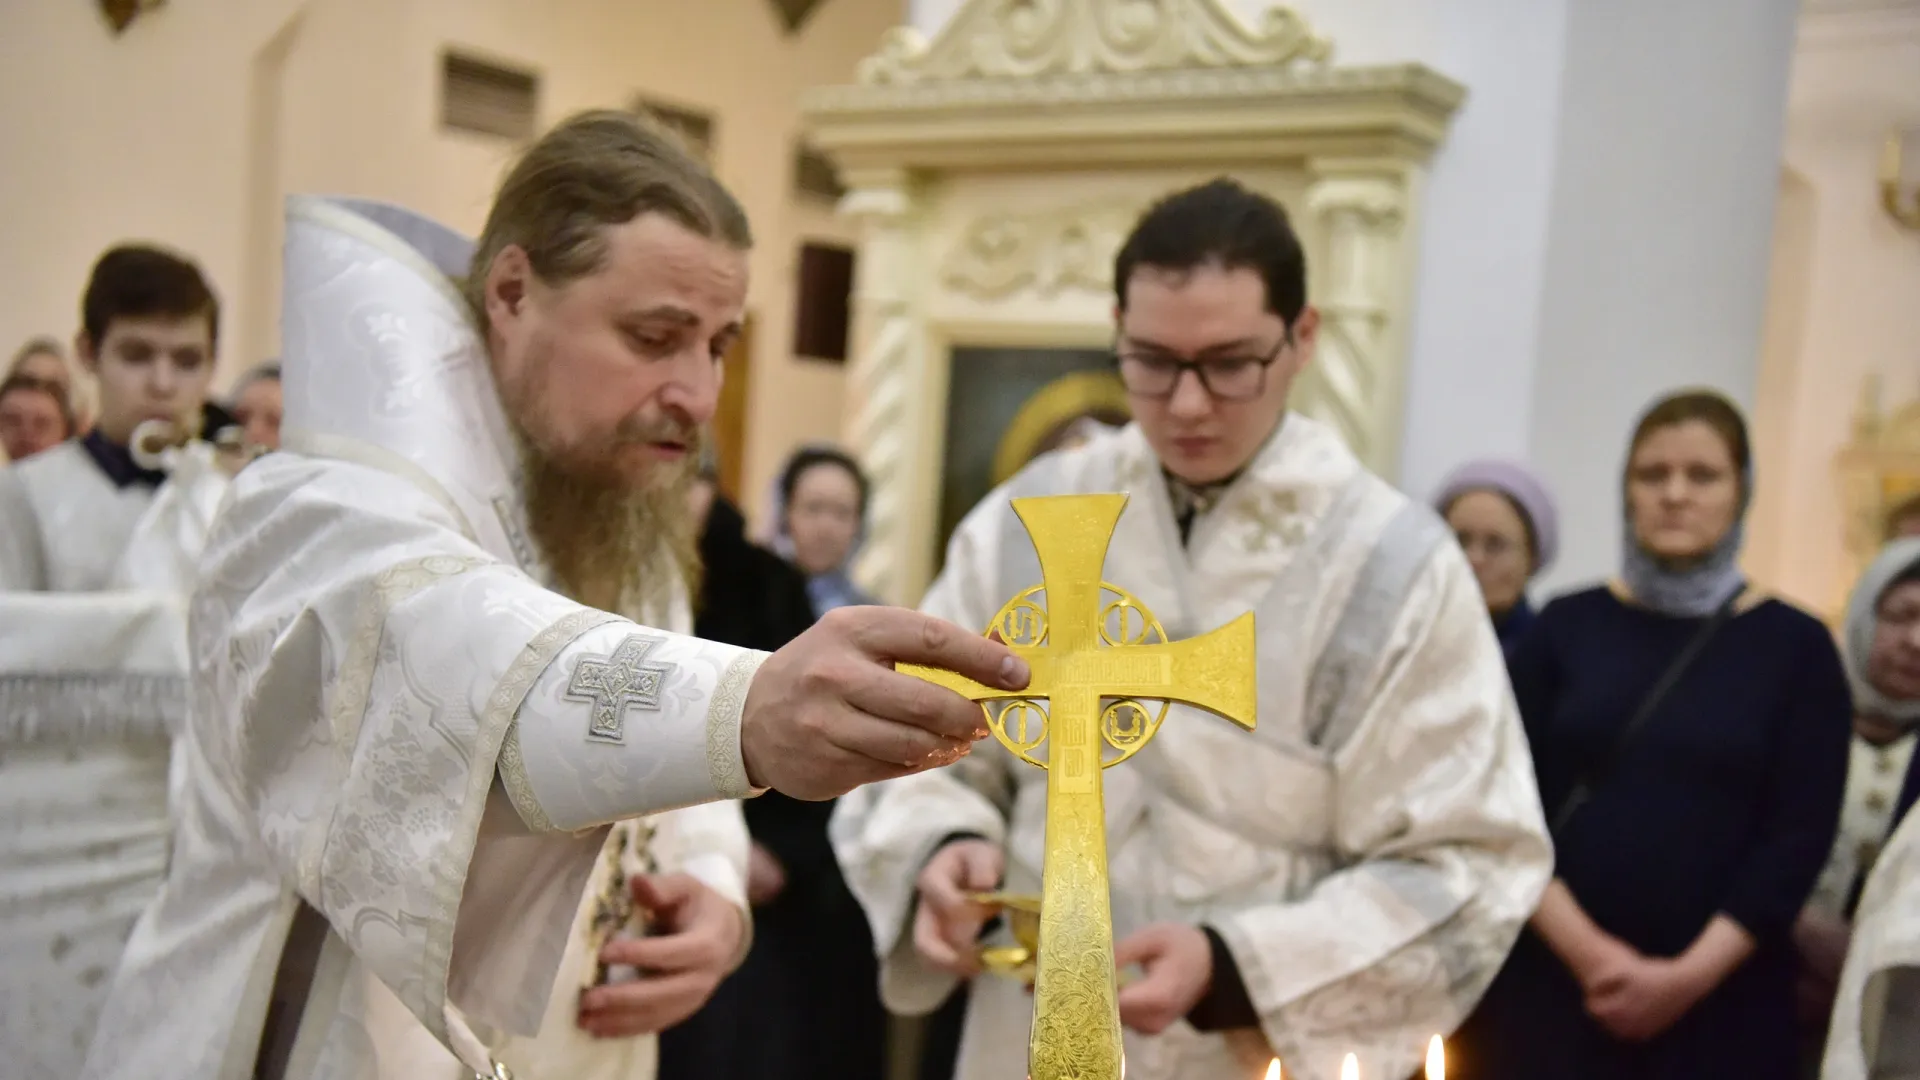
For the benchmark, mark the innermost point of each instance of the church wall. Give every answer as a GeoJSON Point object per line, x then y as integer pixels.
{"type": "Point", "coordinates": [1849, 277]}
{"type": "Point", "coordinates": [190, 127]}
{"type": "Point", "coordinates": [1666, 176]}
{"type": "Point", "coordinates": [1596, 230]}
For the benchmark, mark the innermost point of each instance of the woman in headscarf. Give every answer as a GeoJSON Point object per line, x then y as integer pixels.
{"type": "Point", "coordinates": [1690, 740]}
{"type": "Point", "coordinates": [819, 521]}
{"type": "Point", "coordinates": [1506, 523]}
{"type": "Point", "coordinates": [1882, 639]}
{"type": "Point", "coordinates": [806, 1001]}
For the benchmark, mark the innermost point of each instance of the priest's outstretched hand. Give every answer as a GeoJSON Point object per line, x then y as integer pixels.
{"type": "Point", "coordinates": [681, 966]}
{"type": "Point", "coordinates": [828, 712]}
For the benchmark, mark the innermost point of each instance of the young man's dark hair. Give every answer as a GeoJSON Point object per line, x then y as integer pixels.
{"type": "Point", "coordinates": [136, 281]}
{"type": "Point", "coordinates": [1224, 224]}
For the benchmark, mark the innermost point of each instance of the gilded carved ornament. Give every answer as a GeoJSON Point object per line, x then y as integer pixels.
{"type": "Point", "coordinates": [1024, 39]}
{"type": "Point", "coordinates": [1878, 469]}
{"type": "Point", "coordinates": [1048, 252]}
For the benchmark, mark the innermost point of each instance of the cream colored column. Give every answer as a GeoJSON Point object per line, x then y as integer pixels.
{"type": "Point", "coordinates": [1358, 285]}
{"type": "Point", "coordinates": [885, 375]}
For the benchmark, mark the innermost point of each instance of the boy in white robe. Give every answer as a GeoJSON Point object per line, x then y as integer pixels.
{"type": "Point", "coordinates": [96, 556]}
{"type": "Point", "coordinates": [405, 749]}
{"type": "Point", "coordinates": [1346, 878]}
{"type": "Point", "coordinates": [149, 328]}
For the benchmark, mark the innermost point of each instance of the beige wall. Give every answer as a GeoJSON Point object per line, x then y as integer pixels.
{"type": "Point", "coordinates": [190, 128]}
{"type": "Point", "coordinates": [1846, 294]}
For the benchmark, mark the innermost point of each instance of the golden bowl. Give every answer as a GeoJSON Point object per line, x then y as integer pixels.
{"type": "Point", "coordinates": [1019, 961]}
{"type": "Point", "coordinates": [1022, 912]}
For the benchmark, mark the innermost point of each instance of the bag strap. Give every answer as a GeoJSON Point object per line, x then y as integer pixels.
{"type": "Point", "coordinates": [1584, 786]}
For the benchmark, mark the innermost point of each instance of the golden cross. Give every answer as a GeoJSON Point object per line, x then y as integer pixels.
{"type": "Point", "coordinates": [1081, 651]}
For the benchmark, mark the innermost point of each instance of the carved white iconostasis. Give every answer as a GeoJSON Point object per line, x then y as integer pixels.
{"type": "Point", "coordinates": [996, 170]}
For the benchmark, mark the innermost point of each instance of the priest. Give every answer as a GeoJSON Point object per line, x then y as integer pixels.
{"type": "Point", "coordinates": [420, 698]}
{"type": "Point", "coordinates": [1346, 878]}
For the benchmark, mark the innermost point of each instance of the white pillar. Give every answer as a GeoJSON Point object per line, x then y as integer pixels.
{"type": "Point", "coordinates": [883, 374]}
{"type": "Point", "coordinates": [1665, 172]}
{"type": "Point", "coordinates": [1356, 287]}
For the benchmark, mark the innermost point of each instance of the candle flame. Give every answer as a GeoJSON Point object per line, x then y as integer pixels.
{"type": "Point", "coordinates": [1436, 1060]}
{"type": "Point", "coordinates": [1273, 1070]}
{"type": "Point", "coordinates": [1350, 1068]}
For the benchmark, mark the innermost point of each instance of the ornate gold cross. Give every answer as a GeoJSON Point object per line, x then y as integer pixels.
{"type": "Point", "coordinates": [1085, 649]}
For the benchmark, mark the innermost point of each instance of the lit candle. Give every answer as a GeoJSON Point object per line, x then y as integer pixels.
{"type": "Point", "coordinates": [1273, 1069]}
{"type": "Point", "coordinates": [1436, 1060]}
{"type": "Point", "coordinates": [1350, 1068]}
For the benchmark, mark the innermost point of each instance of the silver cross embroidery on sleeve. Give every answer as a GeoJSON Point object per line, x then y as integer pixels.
{"type": "Point", "coordinates": [613, 683]}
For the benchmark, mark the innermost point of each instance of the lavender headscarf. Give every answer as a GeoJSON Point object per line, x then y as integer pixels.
{"type": "Point", "coordinates": [1521, 487]}
{"type": "Point", "coordinates": [1897, 562]}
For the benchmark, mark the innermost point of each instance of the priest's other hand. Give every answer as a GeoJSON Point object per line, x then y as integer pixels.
{"type": "Point", "coordinates": [947, 924]}
{"type": "Point", "coordinates": [828, 712]}
{"type": "Point", "coordinates": [1639, 999]}
{"type": "Point", "coordinates": [698, 941]}
{"type": "Point", "coordinates": [1176, 964]}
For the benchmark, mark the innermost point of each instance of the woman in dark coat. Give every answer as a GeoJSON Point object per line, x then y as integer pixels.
{"type": "Point", "coordinates": [805, 1004]}
{"type": "Point", "coordinates": [1663, 950]}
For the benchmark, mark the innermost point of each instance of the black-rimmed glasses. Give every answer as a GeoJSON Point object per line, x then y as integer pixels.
{"type": "Point", "coordinates": [1224, 378]}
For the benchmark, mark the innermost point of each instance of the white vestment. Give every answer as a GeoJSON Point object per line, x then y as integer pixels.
{"type": "Point", "coordinates": [63, 523]}
{"type": "Point", "coordinates": [1874, 777]}
{"type": "Point", "coordinates": [1368, 854]}
{"type": "Point", "coordinates": [92, 690]}
{"type": "Point", "coordinates": [1875, 1032]}
{"type": "Point", "coordinates": [392, 721]}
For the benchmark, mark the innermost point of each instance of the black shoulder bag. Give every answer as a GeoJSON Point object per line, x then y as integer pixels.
{"type": "Point", "coordinates": [1587, 781]}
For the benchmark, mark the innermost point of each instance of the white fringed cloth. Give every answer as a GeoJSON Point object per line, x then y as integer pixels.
{"type": "Point", "coordinates": [93, 686]}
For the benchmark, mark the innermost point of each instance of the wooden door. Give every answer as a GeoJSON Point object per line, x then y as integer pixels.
{"type": "Point", "coordinates": [729, 427]}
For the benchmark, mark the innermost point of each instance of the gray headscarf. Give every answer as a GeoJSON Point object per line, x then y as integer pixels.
{"type": "Point", "coordinates": [1897, 562]}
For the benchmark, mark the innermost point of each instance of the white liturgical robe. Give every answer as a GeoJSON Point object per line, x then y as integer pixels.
{"type": "Point", "coordinates": [393, 723]}
{"type": "Point", "coordinates": [64, 523]}
{"type": "Point", "coordinates": [1875, 1033]}
{"type": "Point", "coordinates": [1368, 854]}
{"type": "Point", "coordinates": [93, 689]}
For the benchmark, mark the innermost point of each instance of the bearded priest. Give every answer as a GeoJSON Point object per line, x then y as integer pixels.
{"type": "Point", "coordinates": [1347, 878]}
{"type": "Point", "coordinates": [424, 683]}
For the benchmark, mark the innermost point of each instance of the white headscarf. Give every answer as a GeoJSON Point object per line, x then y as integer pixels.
{"type": "Point", "coordinates": [1897, 561]}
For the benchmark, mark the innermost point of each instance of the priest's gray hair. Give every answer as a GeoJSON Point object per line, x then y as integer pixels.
{"type": "Point", "coordinates": [595, 170]}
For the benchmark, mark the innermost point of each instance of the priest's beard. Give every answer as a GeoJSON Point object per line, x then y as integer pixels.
{"type": "Point", "coordinates": [612, 543]}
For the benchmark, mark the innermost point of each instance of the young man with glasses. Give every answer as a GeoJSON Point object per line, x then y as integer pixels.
{"type": "Point", "coordinates": [1348, 877]}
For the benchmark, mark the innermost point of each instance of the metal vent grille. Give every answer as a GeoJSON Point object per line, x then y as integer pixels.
{"type": "Point", "coordinates": [815, 176]}
{"type": "Point", "coordinates": [486, 98]}
{"type": "Point", "coordinates": [695, 128]}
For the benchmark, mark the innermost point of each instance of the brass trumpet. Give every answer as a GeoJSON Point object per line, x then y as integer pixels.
{"type": "Point", "coordinates": [153, 439]}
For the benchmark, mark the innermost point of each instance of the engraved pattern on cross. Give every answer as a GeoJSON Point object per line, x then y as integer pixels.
{"type": "Point", "coordinates": [618, 681]}
{"type": "Point", "coordinates": [1078, 661]}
